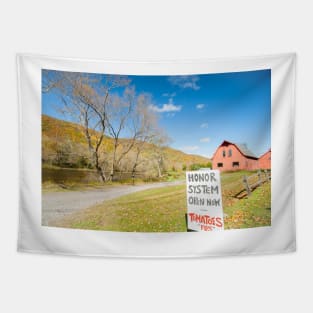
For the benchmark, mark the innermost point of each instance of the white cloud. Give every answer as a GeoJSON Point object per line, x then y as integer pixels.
{"type": "Point", "coordinates": [204, 125]}
{"type": "Point", "coordinates": [168, 94]}
{"type": "Point", "coordinates": [185, 81]}
{"type": "Point", "coordinates": [200, 106]}
{"type": "Point", "coordinates": [206, 139]}
{"type": "Point", "coordinates": [167, 107]}
{"type": "Point", "coordinates": [190, 148]}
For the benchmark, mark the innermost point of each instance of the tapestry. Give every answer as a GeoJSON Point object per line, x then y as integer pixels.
{"type": "Point", "coordinates": [182, 158]}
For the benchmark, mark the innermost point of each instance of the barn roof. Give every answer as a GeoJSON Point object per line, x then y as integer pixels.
{"type": "Point", "coordinates": [245, 150]}
{"type": "Point", "coordinates": [242, 147]}
{"type": "Point", "coordinates": [265, 153]}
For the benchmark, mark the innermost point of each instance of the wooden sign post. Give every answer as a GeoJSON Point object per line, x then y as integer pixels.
{"type": "Point", "coordinates": [204, 200]}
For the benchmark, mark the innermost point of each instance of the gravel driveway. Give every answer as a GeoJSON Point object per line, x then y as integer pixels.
{"type": "Point", "coordinates": [56, 205]}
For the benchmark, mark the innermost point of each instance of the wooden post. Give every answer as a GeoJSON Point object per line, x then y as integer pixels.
{"type": "Point", "coordinates": [186, 219]}
{"type": "Point", "coordinates": [259, 175]}
{"type": "Point", "coordinates": [246, 183]}
{"type": "Point", "coordinates": [267, 175]}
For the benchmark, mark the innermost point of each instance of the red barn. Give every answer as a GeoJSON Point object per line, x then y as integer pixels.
{"type": "Point", "coordinates": [232, 157]}
{"type": "Point", "coordinates": [265, 160]}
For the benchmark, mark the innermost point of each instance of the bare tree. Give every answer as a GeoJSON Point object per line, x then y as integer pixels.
{"type": "Point", "coordinates": [85, 98]}
{"type": "Point", "coordinates": [146, 121]}
{"type": "Point", "coordinates": [160, 142]}
{"type": "Point", "coordinates": [129, 117]}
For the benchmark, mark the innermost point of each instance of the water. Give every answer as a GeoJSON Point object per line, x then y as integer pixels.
{"type": "Point", "coordinates": [67, 175]}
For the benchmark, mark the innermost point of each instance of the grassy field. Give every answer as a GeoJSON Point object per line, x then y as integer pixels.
{"type": "Point", "coordinates": [163, 210]}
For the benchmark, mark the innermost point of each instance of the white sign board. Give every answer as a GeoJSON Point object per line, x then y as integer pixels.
{"type": "Point", "coordinates": [204, 200]}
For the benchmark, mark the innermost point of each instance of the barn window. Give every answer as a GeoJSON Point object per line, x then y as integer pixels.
{"type": "Point", "coordinates": [224, 153]}
{"type": "Point", "coordinates": [235, 164]}
{"type": "Point", "coordinates": [219, 164]}
{"type": "Point", "coordinates": [230, 152]}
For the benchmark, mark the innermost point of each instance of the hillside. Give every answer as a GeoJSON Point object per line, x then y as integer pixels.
{"type": "Point", "coordinates": [64, 144]}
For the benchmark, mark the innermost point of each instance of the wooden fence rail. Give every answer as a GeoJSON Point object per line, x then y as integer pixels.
{"type": "Point", "coordinates": [253, 181]}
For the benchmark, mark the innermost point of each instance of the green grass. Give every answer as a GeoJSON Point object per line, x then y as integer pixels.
{"type": "Point", "coordinates": [154, 210]}
{"type": "Point", "coordinates": [253, 211]}
{"type": "Point", "coordinates": [231, 177]}
{"type": "Point", "coordinates": [163, 210]}
{"type": "Point", "coordinates": [174, 175]}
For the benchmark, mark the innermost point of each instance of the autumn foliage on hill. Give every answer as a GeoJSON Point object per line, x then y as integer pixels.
{"type": "Point", "coordinates": [64, 145]}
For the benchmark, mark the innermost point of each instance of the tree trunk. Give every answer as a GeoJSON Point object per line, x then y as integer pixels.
{"type": "Point", "coordinates": [99, 169]}
{"type": "Point", "coordinates": [159, 170]}
{"type": "Point", "coordinates": [136, 162]}
{"type": "Point", "coordinates": [113, 168]}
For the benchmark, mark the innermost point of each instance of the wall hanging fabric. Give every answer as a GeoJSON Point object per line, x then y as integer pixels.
{"type": "Point", "coordinates": [156, 159]}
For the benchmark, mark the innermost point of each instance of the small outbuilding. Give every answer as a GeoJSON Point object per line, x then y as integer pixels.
{"type": "Point", "coordinates": [265, 160]}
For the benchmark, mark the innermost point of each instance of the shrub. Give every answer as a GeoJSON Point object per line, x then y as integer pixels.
{"type": "Point", "coordinates": [196, 166]}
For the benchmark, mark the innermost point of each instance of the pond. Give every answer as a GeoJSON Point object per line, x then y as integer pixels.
{"type": "Point", "coordinates": [68, 175]}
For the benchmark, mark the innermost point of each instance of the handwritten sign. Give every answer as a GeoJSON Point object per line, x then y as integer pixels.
{"type": "Point", "coordinates": [204, 200]}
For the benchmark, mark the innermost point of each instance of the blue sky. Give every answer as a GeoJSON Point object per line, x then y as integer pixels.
{"type": "Point", "coordinates": [198, 112]}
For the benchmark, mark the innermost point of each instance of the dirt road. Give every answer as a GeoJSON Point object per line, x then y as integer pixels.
{"type": "Point", "coordinates": [56, 205]}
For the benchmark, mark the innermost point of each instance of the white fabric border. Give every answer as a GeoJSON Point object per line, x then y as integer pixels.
{"type": "Point", "coordinates": [278, 238]}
